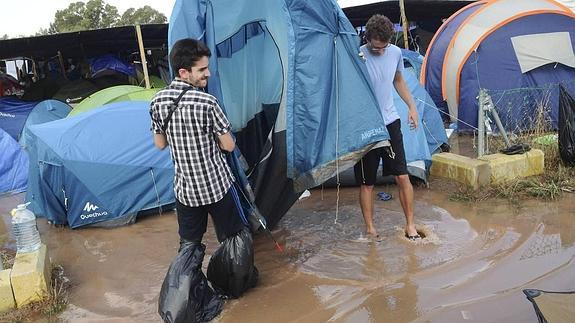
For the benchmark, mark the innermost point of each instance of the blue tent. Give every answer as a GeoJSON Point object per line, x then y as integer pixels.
{"type": "Point", "coordinates": [421, 143]}
{"type": "Point", "coordinates": [13, 165]}
{"type": "Point", "coordinates": [290, 79]}
{"type": "Point", "coordinates": [517, 50]}
{"type": "Point", "coordinates": [16, 115]}
{"type": "Point", "coordinates": [98, 167]}
{"type": "Point", "coordinates": [13, 115]}
{"type": "Point", "coordinates": [44, 111]}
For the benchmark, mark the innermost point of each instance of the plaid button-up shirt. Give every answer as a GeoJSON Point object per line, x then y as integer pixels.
{"type": "Point", "coordinates": [202, 175]}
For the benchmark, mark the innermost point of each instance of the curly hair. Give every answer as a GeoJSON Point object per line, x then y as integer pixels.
{"type": "Point", "coordinates": [186, 52]}
{"type": "Point", "coordinates": [379, 27]}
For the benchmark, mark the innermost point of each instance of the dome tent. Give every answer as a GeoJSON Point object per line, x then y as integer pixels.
{"type": "Point", "coordinates": [112, 94]}
{"type": "Point", "coordinates": [100, 167]}
{"type": "Point", "coordinates": [500, 45]}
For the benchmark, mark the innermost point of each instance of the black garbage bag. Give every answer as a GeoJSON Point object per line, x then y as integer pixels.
{"type": "Point", "coordinates": [566, 127]}
{"type": "Point", "coordinates": [186, 296]}
{"type": "Point", "coordinates": [231, 269]}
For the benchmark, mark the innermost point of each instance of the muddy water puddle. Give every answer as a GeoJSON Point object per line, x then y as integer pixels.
{"type": "Point", "coordinates": [471, 267]}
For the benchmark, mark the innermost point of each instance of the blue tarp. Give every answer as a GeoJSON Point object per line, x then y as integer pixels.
{"type": "Point", "coordinates": [112, 63]}
{"type": "Point", "coordinates": [296, 90]}
{"type": "Point", "coordinates": [13, 165]}
{"type": "Point", "coordinates": [98, 167]}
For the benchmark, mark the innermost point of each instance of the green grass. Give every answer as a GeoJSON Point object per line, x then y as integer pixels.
{"type": "Point", "coordinates": [46, 310]}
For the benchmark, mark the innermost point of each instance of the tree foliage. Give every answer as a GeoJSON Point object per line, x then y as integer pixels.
{"type": "Point", "coordinates": [144, 15]}
{"type": "Point", "coordinates": [96, 14]}
{"type": "Point", "coordinates": [4, 37]}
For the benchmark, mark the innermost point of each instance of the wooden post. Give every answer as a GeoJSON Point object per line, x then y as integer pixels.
{"type": "Point", "coordinates": [62, 67]}
{"type": "Point", "coordinates": [143, 56]}
{"type": "Point", "coordinates": [404, 23]}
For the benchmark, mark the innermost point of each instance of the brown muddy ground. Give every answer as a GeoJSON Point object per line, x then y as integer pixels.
{"type": "Point", "coordinates": [473, 266]}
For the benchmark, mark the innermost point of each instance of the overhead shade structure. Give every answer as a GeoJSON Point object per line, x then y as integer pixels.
{"type": "Point", "coordinates": [98, 168]}
{"type": "Point", "coordinates": [290, 79]}
{"type": "Point", "coordinates": [112, 94]}
{"type": "Point", "coordinates": [87, 43]}
{"type": "Point", "coordinates": [359, 11]}
{"type": "Point", "coordinates": [499, 45]}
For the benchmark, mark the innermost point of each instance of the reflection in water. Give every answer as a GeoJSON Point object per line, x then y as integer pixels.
{"type": "Point", "coordinates": [472, 266]}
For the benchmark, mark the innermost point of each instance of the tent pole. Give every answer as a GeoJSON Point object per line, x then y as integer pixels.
{"type": "Point", "coordinates": [143, 56]}
{"type": "Point", "coordinates": [481, 123]}
{"type": "Point", "coordinates": [404, 24]}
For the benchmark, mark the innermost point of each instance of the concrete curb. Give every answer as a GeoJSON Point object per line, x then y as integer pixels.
{"type": "Point", "coordinates": [488, 169]}
{"type": "Point", "coordinates": [27, 281]}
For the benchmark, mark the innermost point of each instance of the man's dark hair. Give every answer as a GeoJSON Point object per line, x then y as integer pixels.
{"type": "Point", "coordinates": [380, 28]}
{"type": "Point", "coordinates": [186, 52]}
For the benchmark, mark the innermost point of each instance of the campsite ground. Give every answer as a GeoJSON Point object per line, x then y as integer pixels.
{"type": "Point", "coordinates": [473, 265]}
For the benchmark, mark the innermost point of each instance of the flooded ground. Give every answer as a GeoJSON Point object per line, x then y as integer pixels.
{"type": "Point", "coordinates": [472, 267]}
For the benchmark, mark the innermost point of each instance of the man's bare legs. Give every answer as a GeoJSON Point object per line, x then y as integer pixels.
{"type": "Point", "coordinates": [406, 200]}
{"type": "Point", "coordinates": [366, 204]}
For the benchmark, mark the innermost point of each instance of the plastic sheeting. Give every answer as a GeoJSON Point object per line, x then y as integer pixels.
{"type": "Point", "coordinates": [231, 269]}
{"type": "Point", "coordinates": [110, 62]}
{"type": "Point", "coordinates": [185, 296]}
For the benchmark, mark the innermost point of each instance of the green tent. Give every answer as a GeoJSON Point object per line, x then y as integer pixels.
{"type": "Point", "coordinates": [113, 94]}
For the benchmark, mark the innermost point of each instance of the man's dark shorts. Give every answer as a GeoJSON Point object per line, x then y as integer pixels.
{"type": "Point", "coordinates": [393, 158]}
{"type": "Point", "coordinates": [193, 221]}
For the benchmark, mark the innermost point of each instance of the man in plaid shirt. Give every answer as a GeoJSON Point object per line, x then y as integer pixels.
{"type": "Point", "coordinates": [198, 132]}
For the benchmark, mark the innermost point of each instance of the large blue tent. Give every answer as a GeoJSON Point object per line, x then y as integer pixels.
{"type": "Point", "coordinates": [100, 167]}
{"type": "Point", "coordinates": [290, 79]}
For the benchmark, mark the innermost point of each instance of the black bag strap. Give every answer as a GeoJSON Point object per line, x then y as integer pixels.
{"type": "Point", "coordinates": [174, 107]}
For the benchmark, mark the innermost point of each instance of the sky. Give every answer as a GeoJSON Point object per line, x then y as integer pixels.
{"type": "Point", "coordinates": [16, 21]}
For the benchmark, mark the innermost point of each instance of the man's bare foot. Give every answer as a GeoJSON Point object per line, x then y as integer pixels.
{"type": "Point", "coordinates": [411, 233]}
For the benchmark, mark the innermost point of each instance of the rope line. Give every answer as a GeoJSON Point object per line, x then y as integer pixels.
{"type": "Point", "coordinates": [156, 189]}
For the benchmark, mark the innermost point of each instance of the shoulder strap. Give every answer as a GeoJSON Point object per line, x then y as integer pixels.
{"type": "Point", "coordinates": [174, 107]}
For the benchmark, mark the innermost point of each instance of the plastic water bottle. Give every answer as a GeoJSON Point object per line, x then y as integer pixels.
{"type": "Point", "coordinates": [25, 230]}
